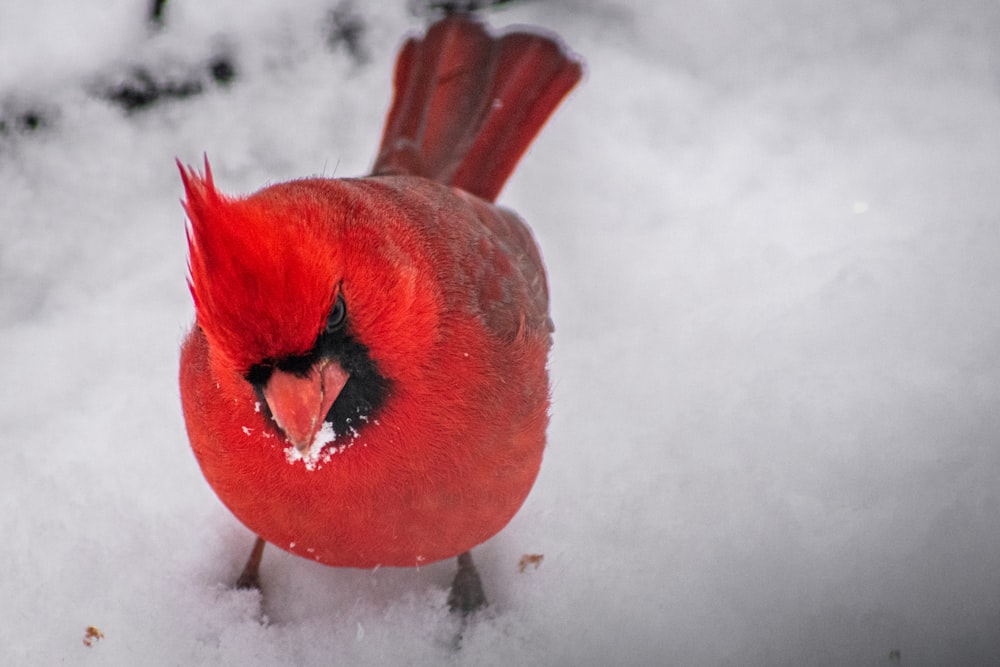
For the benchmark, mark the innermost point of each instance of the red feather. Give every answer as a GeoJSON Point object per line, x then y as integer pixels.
{"type": "Point", "coordinates": [441, 425]}
{"type": "Point", "coordinates": [467, 104]}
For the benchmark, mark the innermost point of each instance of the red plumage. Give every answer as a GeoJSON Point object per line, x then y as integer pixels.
{"type": "Point", "coordinates": [402, 308]}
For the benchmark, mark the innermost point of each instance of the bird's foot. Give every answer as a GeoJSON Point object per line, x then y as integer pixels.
{"type": "Point", "coordinates": [249, 579]}
{"type": "Point", "coordinates": [467, 593]}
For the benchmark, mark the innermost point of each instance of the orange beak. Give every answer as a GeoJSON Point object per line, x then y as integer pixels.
{"type": "Point", "coordinates": [299, 404]}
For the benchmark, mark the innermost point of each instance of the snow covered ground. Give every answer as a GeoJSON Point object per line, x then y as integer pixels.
{"type": "Point", "coordinates": [773, 236]}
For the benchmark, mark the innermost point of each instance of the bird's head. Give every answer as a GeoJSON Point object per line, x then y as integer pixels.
{"type": "Point", "coordinates": [296, 297]}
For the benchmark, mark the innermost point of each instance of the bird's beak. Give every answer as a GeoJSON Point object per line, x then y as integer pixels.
{"type": "Point", "coordinates": [299, 404]}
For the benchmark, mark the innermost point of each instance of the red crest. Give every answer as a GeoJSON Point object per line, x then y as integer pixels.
{"type": "Point", "coordinates": [262, 269]}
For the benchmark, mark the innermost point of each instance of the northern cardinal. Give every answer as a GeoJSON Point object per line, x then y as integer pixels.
{"type": "Point", "coordinates": [365, 383]}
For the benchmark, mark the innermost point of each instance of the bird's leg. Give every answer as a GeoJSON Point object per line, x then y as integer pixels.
{"type": "Point", "coordinates": [250, 577]}
{"type": "Point", "coordinates": [467, 593]}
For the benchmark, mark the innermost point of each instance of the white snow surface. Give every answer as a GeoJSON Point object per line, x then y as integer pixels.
{"type": "Point", "coordinates": [773, 237]}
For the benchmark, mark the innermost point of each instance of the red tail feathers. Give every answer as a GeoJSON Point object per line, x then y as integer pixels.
{"type": "Point", "coordinates": [467, 104]}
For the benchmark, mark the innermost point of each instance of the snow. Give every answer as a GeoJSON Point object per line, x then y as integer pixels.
{"type": "Point", "coordinates": [320, 451]}
{"type": "Point", "coordinates": [772, 232]}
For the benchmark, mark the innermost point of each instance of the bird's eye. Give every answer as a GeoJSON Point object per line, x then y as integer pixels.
{"type": "Point", "coordinates": [337, 317]}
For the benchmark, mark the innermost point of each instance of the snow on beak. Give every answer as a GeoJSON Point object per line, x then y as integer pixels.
{"type": "Point", "coordinates": [299, 404]}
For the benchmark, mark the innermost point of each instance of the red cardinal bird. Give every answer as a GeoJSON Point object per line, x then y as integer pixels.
{"type": "Point", "coordinates": [366, 380]}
